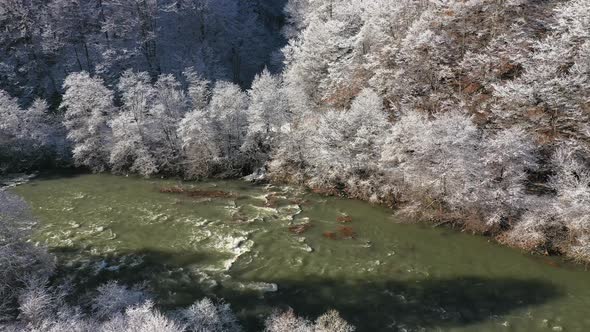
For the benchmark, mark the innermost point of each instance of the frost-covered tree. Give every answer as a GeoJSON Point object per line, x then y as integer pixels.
{"type": "Point", "coordinates": [506, 158]}
{"type": "Point", "coordinates": [323, 46]}
{"type": "Point", "coordinates": [347, 144]}
{"type": "Point", "coordinates": [199, 89]}
{"type": "Point", "coordinates": [551, 96]}
{"type": "Point", "coordinates": [30, 136]}
{"type": "Point", "coordinates": [204, 315]}
{"type": "Point", "coordinates": [433, 157]}
{"type": "Point", "coordinates": [289, 159]}
{"type": "Point", "coordinates": [268, 114]}
{"type": "Point", "coordinates": [113, 298]}
{"type": "Point", "coordinates": [170, 106]}
{"type": "Point", "coordinates": [22, 262]}
{"type": "Point", "coordinates": [11, 114]}
{"type": "Point", "coordinates": [268, 110]}
{"type": "Point", "coordinates": [133, 126]}
{"type": "Point", "coordinates": [141, 318]}
{"type": "Point", "coordinates": [331, 321]}
{"type": "Point", "coordinates": [38, 301]}
{"type": "Point", "coordinates": [88, 104]}
{"type": "Point", "coordinates": [33, 125]}
{"type": "Point", "coordinates": [288, 321]}
{"type": "Point", "coordinates": [536, 228]}
{"type": "Point", "coordinates": [571, 182]}
{"type": "Point", "coordinates": [448, 159]}
{"type": "Point", "coordinates": [39, 125]}
{"type": "Point", "coordinates": [228, 113]}
{"type": "Point", "coordinates": [13, 140]}
{"type": "Point", "coordinates": [199, 145]}
{"type": "Point", "coordinates": [129, 152]}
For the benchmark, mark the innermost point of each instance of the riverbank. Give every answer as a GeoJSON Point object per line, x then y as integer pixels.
{"type": "Point", "coordinates": [426, 212]}
{"type": "Point", "coordinates": [12, 180]}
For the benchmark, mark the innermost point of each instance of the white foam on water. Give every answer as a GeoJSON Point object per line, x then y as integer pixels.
{"type": "Point", "coordinates": [158, 217]}
{"type": "Point", "coordinates": [152, 215]}
{"type": "Point", "coordinates": [232, 209]}
{"type": "Point", "coordinates": [302, 245]}
{"type": "Point", "coordinates": [264, 209]}
{"type": "Point", "coordinates": [110, 235]}
{"type": "Point", "coordinates": [238, 252]}
{"type": "Point", "coordinates": [235, 245]}
{"type": "Point", "coordinates": [257, 218]}
{"type": "Point", "coordinates": [305, 247]}
{"type": "Point", "coordinates": [67, 243]}
{"type": "Point", "coordinates": [196, 222]}
{"type": "Point", "coordinates": [203, 278]}
{"type": "Point", "coordinates": [199, 235]}
{"type": "Point", "coordinates": [79, 195]}
{"type": "Point", "coordinates": [262, 197]}
{"type": "Point", "coordinates": [263, 287]}
{"type": "Point", "coordinates": [290, 211]}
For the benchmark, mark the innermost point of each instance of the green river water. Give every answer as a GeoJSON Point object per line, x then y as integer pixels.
{"type": "Point", "coordinates": [390, 276]}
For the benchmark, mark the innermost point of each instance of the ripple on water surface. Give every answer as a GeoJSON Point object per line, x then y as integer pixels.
{"type": "Point", "coordinates": [264, 246]}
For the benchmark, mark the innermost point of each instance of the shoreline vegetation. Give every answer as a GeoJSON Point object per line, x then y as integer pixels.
{"type": "Point", "coordinates": [429, 216]}
{"type": "Point", "coordinates": [474, 114]}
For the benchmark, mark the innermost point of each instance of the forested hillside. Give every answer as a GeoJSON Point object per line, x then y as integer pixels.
{"type": "Point", "coordinates": [450, 110]}
{"type": "Point", "coordinates": [469, 113]}
{"type": "Point", "coordinates": [466, 112]}
{"type": "Point", "coordinates": [45, 40]}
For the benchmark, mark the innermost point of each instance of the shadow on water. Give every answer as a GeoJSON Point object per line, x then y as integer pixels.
{"type": "Point", "coordinates": [58, 174]}
{"type": "Point", "coordinates": [371, 305]}
{"type": "Point", "coordinates": [133, 268]}
{"type": "Point", "coordinates": [428, 303]}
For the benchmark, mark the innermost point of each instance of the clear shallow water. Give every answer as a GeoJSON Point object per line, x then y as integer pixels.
{"type": "Point", "coordinates": [390, 277]}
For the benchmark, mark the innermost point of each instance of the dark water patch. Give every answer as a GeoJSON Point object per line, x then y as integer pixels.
{"type": "Point", "coordinates": [414, 304]}
{"type": "Point", "coordinates": [371, 305]}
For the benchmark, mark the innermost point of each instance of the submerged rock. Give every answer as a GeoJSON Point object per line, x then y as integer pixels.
{"type": "Point", "coordinates": [300, 229]}
{"type": "Point", "coordinates": [347, 232]}
{"type": "Point", "coordinates": [197, 193]}
{"type": "Point", "coordinates": [344, 219]}
{"type": "Point", "coordinates": [330, 235]}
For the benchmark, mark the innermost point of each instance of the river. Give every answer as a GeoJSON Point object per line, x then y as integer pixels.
{"type": "Point", "coordinates": [265, 246]}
